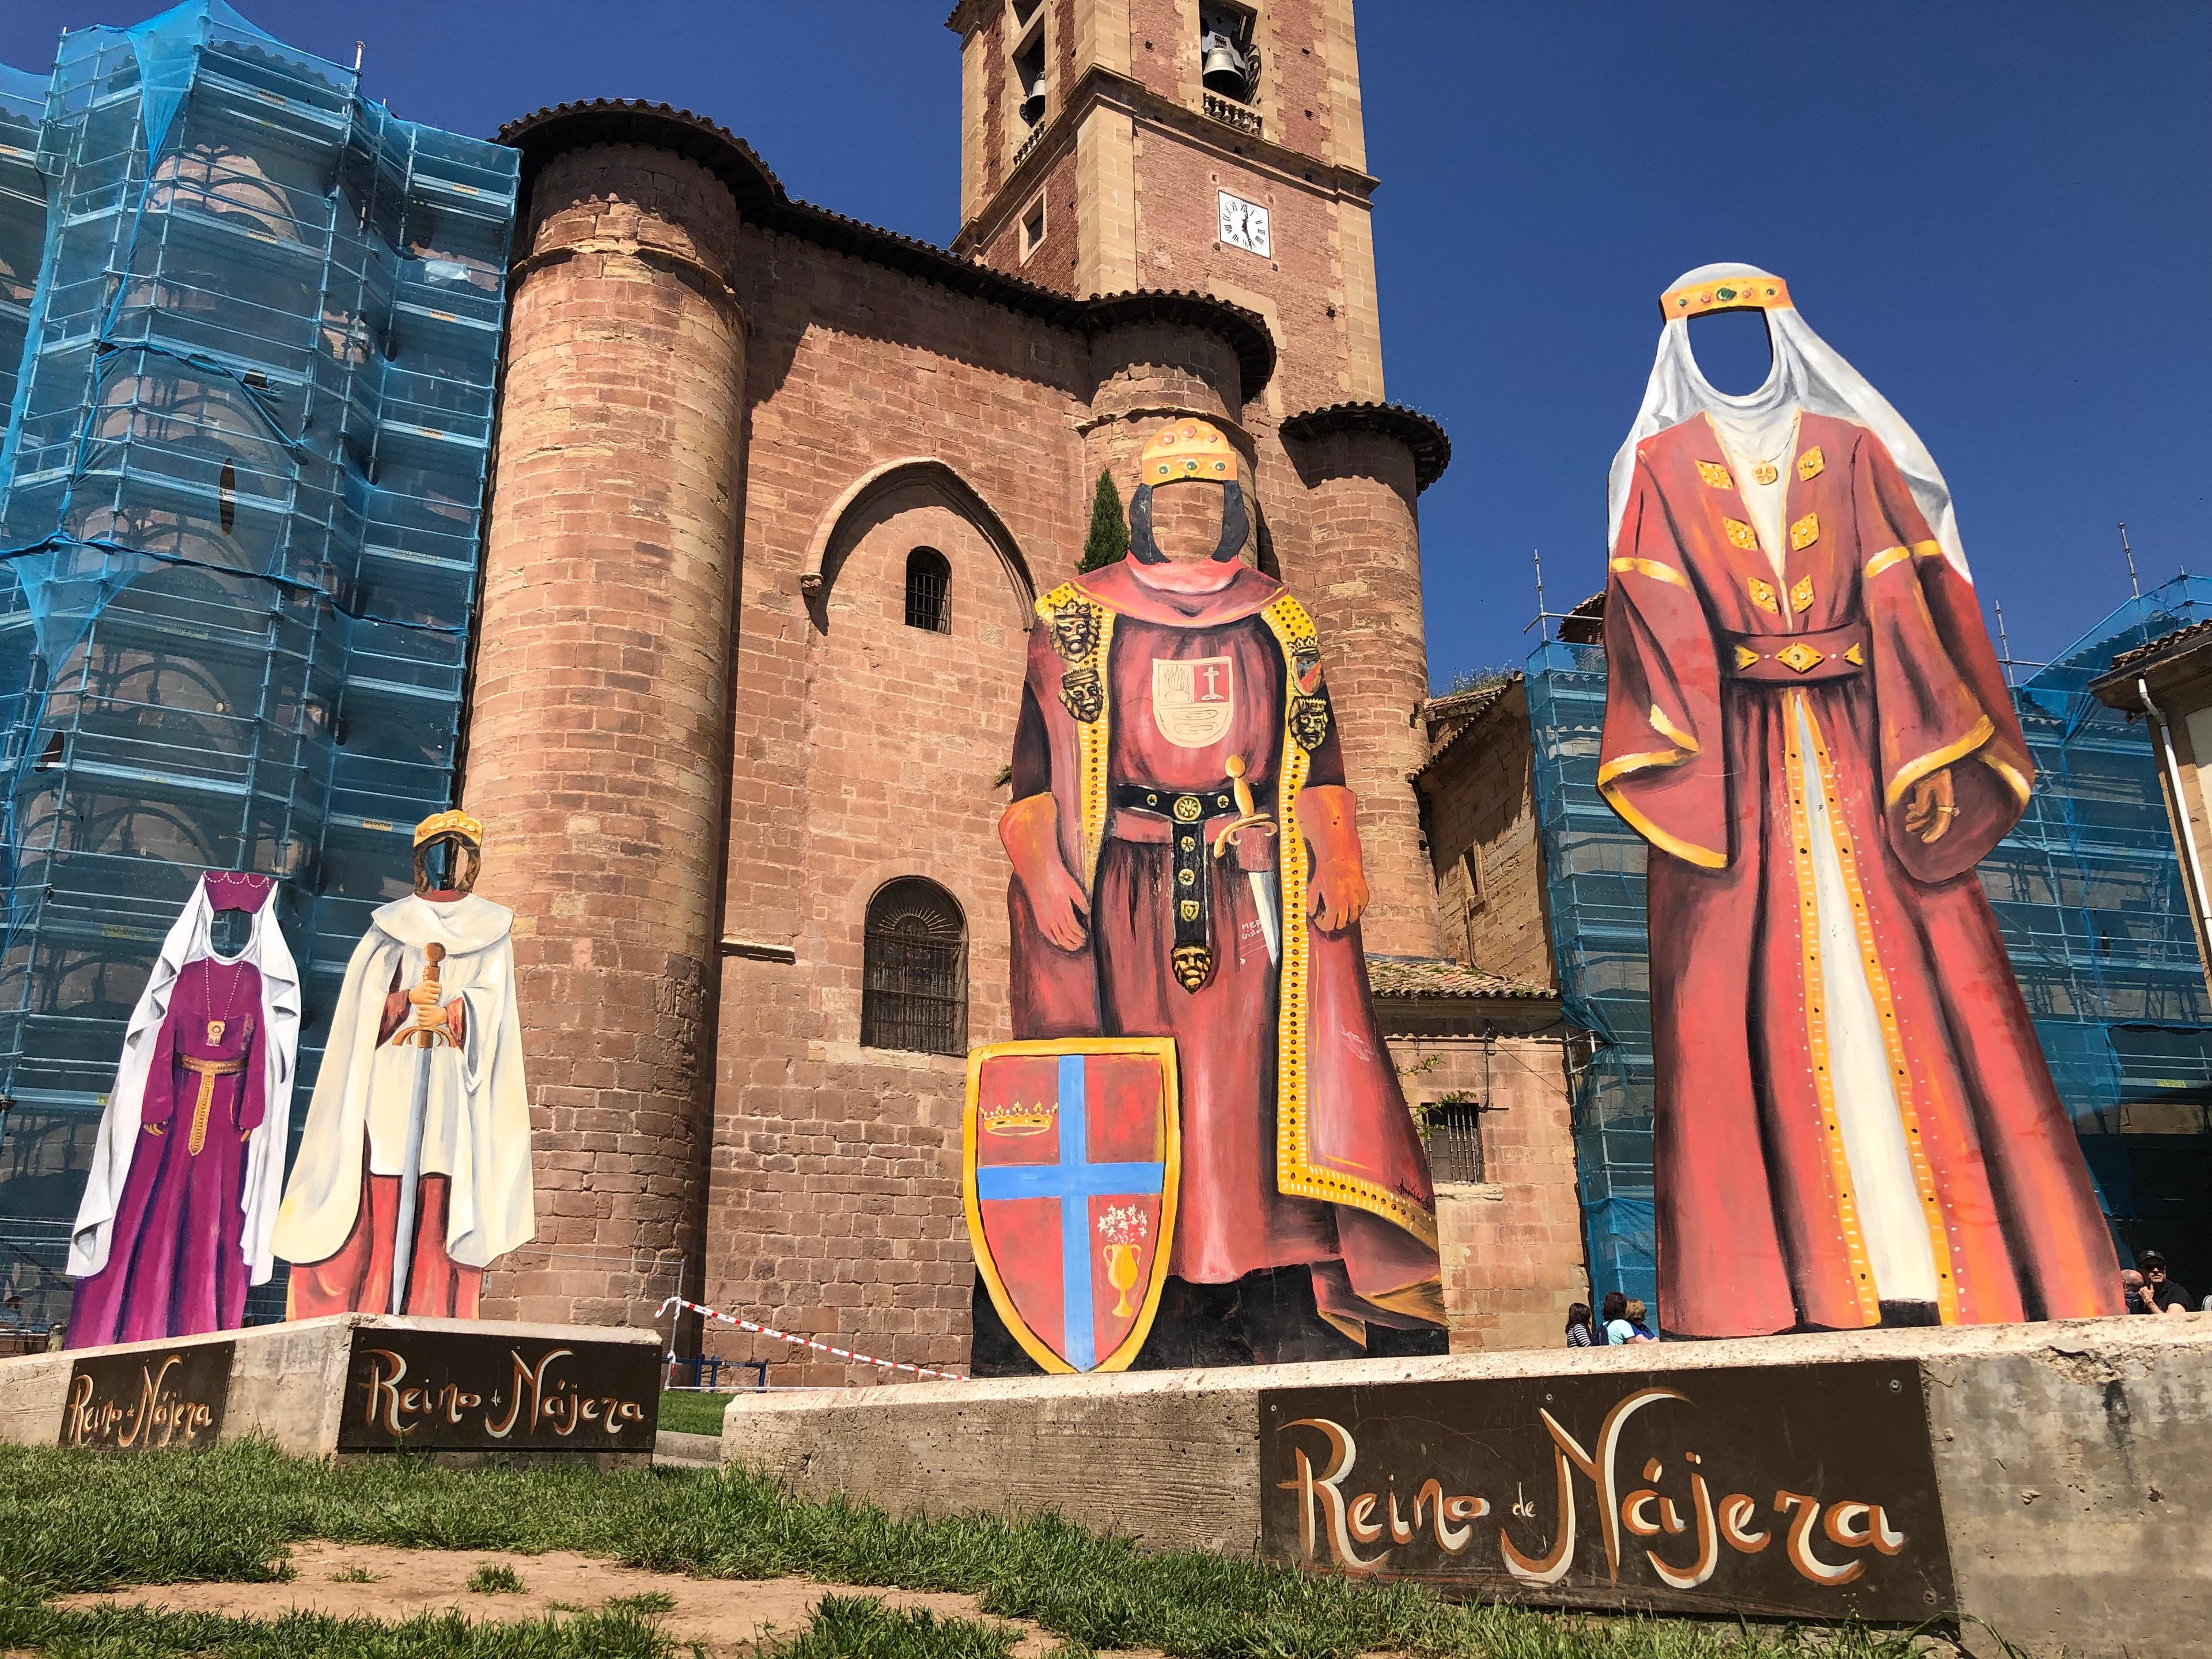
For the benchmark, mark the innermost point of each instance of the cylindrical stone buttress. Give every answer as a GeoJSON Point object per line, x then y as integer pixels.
{"type": "Point", "coordinates": [598, 742]}
{"type": "Point", "coordinates": [1365, 552]}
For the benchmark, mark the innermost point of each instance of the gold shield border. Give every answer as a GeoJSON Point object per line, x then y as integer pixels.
{"type": "Point", "coordinates": [1164, 1050]}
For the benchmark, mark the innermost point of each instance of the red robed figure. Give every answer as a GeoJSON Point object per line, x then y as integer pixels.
{"type": "Point", "coordinates": [1765, 736]}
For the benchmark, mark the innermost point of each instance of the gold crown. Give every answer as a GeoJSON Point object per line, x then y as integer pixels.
{"type": "Point", "coordinates": [1729, 293]}
{"type": "Point", "coordinates": [1187, 449]}
{"type": "Point", "coordinates": [439, 823]}
{"type": "Point", "coordinates": [1015, 1119]}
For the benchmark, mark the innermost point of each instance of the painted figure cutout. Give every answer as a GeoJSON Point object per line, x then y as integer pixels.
{"type": "Point", "coordinates": [177, 1213]}
{"type": "Point", "coordinates": [1805, 718]}
{"type": "Point", "coordinates": [1186, 867]}
{"type": "Point", "coordinates": [414, 1170]}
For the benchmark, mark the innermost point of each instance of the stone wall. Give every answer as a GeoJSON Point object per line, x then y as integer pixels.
{"type": "Point", "coordinates": [1478, 807]}
{"type": "Point", "coordinates": [1511, 1244]}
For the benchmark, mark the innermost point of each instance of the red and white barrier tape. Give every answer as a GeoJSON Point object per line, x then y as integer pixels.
{"type": "Point", "coordinates": [807, 1341]}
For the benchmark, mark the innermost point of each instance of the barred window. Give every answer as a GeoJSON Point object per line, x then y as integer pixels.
{"type": "Point", "coordinates": [914, 988]}
{"type": "Point", "coordinates": [1456, 1141]}
{"type": "Point", "coordinates": [928, 576]}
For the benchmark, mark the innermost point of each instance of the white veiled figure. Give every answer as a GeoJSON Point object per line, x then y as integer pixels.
{"type": "Point", "coordinates": [1808, 373]}
{"type": "Point", "coordinates": [190, 939]}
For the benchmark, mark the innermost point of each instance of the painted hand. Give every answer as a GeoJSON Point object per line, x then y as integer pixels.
{"type": "Point", "coordinates": [1063, 914]}
{"type": "Point", "coordinates": [429, 1017]}
{"type": "Point", "coordinates": [1929, 811]}
{"type": "Point", "coordinates": [1337, 895]}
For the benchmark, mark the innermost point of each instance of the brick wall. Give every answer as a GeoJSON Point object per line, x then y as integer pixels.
{"type": "Point", "coordinates": [597, 755]}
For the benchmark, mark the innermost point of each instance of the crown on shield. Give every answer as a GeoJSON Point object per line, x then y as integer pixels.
{"type": "Point", "coordinates": [1012, 1118]}
{"type": "Point", "coordinates": [1187, 449]}
{"type": "Point", "coordinates": [450, 822]}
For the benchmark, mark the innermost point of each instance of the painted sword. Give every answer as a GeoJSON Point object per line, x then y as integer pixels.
{"type": "Point", "coordinates": [1265, 888]}
{"type": "Point", "coordinates": [424, 1039]}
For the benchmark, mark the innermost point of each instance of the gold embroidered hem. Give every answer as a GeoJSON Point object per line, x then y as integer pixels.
{"type": "Point", "coordinates": [1297, 1174]}
{"type": "Point", "coordinates": [1936, 759]}
{"type": "Point", "coordinates": [1652, 568]}
{"type": "Point", "coordinates": [1924, 1175]}
{"type": "Point", "coordinates": [1816, 1012]}
{"type": "Point", "coordinates": [1689, 852]}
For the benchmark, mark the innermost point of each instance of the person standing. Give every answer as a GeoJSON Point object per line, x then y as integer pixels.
{"type": "Point", "coordinates": [1613, 1318]}
{"type": "Point", "coordinates": [1580, 1334]}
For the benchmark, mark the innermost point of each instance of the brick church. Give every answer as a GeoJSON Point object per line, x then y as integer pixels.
{"type": "Point", "coordinates": [775, 492]}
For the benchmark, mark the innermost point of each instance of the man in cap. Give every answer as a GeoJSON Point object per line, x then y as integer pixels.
{"type": "Point", "coordinates": [419, 1109]}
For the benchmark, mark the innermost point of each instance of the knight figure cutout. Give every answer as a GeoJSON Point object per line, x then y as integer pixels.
{"type": "Point", "coordinates": [1853, 1122]}
{"type": "Point", "coordinates": [414, 1168]}
{"type": "Point", "coordinates": [1196, 1152]}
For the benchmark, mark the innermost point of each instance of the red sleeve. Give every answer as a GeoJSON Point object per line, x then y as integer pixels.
{"type": "Point", "coordinates": [1939, 694]}
{"type": "Point", "coordinates": [1661, 763]}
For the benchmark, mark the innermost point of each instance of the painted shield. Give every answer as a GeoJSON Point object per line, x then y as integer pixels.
{"type": "Point", "coordinates": [1071, 1158]}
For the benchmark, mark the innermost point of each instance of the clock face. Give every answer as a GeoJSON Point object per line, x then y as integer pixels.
{"type": "Point", "coordinates": [1244, 224]}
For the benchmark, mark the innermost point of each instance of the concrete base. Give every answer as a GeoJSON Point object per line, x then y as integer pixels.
{"type": "Point", "coordinates": [2073, 1460]}
{"type": "Point", "coordinates": [288, 1384]}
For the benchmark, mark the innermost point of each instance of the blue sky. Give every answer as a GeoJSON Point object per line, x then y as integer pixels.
{"type": "Point", "coordinates": [2001, 213]}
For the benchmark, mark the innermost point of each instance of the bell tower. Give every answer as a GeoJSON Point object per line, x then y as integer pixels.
{"type": "Point", "coordinates": [1211, 146]}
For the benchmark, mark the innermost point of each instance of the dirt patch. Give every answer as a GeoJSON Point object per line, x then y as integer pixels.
{"type": "Point", "coordinates": [729, 1618]}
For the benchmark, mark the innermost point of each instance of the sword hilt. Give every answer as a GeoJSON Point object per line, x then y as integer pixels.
{"type": "Point", "coordinates": [1249, 815]}
{"type": "Point", "coordinates": [429, 1037]}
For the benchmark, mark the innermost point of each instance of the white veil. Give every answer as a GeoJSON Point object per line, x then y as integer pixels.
{"type": "Point", "coordinates": [189, 940]}
{"type": "Point", "coordinates": [1808, 373]}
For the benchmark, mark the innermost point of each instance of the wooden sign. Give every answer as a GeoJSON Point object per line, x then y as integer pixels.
{"type": "Point", "coordinates": [1806, 1492]}
{"type": "Point", "coordinates": [148, 1399]}
{"type": "Point", "coordinates": [489, 1390]}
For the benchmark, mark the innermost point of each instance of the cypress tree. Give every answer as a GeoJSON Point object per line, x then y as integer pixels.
{"type": "Point", "coordinates": [1110, 532]}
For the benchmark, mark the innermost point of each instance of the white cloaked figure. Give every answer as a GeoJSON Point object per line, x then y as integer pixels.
{"type": "Point", "coordinates": [414, 1170]}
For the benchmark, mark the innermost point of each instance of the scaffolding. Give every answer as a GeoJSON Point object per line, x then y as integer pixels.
{"type": "Point", "coordinates": [2087, 890]}
{"type": "Point", "coordinates": [250, 326]}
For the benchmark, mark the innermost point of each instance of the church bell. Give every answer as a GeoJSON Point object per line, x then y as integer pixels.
{"type": "Point", "coordinates": [1224, 73]}
{"type": "Point", "coordinates": [1033, 102]}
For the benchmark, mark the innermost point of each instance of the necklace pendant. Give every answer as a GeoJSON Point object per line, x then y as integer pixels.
{"type": "Point", "coordinates": [216, 1029]}
{"type": "Point", "coordinates": [1765, 473]}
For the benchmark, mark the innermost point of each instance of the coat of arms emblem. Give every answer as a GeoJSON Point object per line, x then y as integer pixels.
{"type": "Point", "coordinates": [1071, 1152]}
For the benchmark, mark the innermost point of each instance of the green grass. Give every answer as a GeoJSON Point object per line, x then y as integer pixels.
{"type": "Point", "coordinates": [79, 1522]}
{"type": "Point", "coordinates": [496, 1578]}
{"type": "Point", "coordinates": [683, 1412]}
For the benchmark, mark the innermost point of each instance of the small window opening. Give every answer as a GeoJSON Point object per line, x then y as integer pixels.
{"type": "Point", "coordinates": [914, 989]}
{"type": "Point", "coordinates": [1033, 227]}
{"type": "Point", "coordinates": [928, 580]}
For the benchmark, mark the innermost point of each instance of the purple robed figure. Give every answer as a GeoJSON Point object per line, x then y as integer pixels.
{"type": "Point", "coordinates": [177, 1211]}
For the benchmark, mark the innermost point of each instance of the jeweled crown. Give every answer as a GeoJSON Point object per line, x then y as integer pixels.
{"type": "Point", "coordinates": [1187, 449]}
{"type": "Point", "coordinates": [1012, 1118]}
{"type": "Point", "coordinates": [454, 822]}
{"type": "Point", "coordinates": [1729, 293]}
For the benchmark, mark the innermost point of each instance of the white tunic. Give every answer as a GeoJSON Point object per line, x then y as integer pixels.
{"type": "Point", "coordinates": [476, 1115]}
{"type": "Point", "coordinates": [1894, 1226]}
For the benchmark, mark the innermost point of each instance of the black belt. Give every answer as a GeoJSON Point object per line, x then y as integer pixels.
{"type": "Point", "coordinates": [1185, 813]}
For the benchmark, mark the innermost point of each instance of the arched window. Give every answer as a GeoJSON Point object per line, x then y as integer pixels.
{"type": "Point", "coordinates": [913, 987]}
{"type": "Point", "coordinates": [928, 575]}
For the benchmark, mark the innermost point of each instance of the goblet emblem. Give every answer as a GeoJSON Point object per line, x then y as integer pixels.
{"type": "Point", "coordinates": [1121, 1273]}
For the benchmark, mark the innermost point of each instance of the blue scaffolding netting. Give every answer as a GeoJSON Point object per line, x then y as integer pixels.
{"type": "Point", "coordinates": [2088, 889]}
{"type": "Point", "coordinates": [249, 327]}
